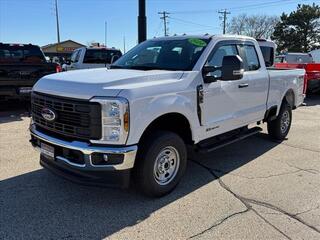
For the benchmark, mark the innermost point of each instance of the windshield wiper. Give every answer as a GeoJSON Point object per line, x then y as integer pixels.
{"type": "Point", "coordinates": [118, 67]}
{"type": "Point", "coordinates": [141, 67]}
{"type": "Point", "coordinates": [144, 67]}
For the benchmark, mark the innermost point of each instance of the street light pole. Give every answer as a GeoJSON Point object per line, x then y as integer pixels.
{"type": "Point", "coordinates": [105, 33]}
{"type": "Point", "coordinates": [57, 20]}
{"type": "Point", "coordinates": [142, 21]}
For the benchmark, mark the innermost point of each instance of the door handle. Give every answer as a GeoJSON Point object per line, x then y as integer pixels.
{"type": "Point", "coordinates": [243, 85]}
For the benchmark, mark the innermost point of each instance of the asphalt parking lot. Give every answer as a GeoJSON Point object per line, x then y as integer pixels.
{"type": "Point", "coordinates": [254, 189]}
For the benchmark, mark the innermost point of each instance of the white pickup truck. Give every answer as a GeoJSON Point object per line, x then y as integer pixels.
{"type": "Point", "coordinates": [104, 126]}
{"type": "Point", "coordinates": [85, 58]}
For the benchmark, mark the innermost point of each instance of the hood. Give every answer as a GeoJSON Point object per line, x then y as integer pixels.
{"type": "Point", "coordinates": [85, 84]}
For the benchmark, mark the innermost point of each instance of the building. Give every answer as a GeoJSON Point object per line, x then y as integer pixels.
{"type": "Point", "coordinates": [62, 49]}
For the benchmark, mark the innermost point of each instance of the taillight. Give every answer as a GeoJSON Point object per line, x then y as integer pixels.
{"type": "Point", "coordinates": [305, 82]}
{"type": "Point", "coordinates": [58, 68]}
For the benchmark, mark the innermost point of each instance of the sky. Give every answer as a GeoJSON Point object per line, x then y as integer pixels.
{"type": "Point", "coordinates": [33, 21]}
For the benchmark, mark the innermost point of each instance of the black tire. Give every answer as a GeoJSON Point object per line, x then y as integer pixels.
{"type": "Point", "coordinates": [144, 172]}
{"type": "Point", "coordinates": [277, 129]}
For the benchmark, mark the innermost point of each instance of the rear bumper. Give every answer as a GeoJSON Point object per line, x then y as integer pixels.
{"type": "Point", "coordinates": [15, 92]}
{"type": "Point", "coordinates": [86, 171]}
{"type": "Point", "coordinates": [313, 85]}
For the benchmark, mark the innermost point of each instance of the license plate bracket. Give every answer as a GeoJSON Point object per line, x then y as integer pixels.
{"type": "Point", "coordinates": [47, 151]}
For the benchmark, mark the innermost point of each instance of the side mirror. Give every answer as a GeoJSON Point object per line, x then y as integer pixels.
{"type": "Point", "coordinates": [232, 68]}
{"type": "Point", "coordinates": [114, 58]}
{"type": "Point", "coordinates": [205, 73]}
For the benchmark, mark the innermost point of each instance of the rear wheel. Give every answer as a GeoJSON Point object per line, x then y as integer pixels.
{"type": "Point", "coordinates": [161, 163]}
{"type": "Point", "coordinates": [279, 128]}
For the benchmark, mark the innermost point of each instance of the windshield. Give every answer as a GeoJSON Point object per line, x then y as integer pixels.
{"type": "Point", "coordinates": [23, 53]}
{"type": "Point", "coordinates": [163, 54]}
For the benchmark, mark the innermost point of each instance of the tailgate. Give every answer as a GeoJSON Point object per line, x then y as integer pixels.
{"type": "Point", "coordinates": [24, 74]}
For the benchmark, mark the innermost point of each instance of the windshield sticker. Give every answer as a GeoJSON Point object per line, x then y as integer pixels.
{"type": "Point", "coordinates": [197, 42]}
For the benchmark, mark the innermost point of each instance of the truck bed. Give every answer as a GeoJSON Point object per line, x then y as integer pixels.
{"type": "Point", "coordinates": [312, 73]}
{"type": "Point", "coordinates": [281, 79]}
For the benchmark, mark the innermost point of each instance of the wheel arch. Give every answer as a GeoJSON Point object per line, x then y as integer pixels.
{"type": "Point", "coordinates": [174, 122]}
{"type": "Point", "coordinates": [289, 97]}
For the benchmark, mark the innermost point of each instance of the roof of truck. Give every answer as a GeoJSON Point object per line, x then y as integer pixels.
{"type": "Point", "coordinates": [205, 36]}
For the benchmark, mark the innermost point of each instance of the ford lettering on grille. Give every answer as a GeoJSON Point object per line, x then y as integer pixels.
{"type": "Point", "coordinates": [48, 114]}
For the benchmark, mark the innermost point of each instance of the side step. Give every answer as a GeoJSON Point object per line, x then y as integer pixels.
{"type": "Point", "coordinates": [207, 147]}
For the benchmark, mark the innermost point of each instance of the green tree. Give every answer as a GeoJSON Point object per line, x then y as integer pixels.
{"type": "Point", "coordinates": [300, 30]}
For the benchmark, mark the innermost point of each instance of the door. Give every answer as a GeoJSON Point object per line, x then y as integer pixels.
{"type": "Point", "coordinates": [74, 61]}
{"type": "Point", "coordinates": [219, 103]}
{"type": "Point", "coordinates": [232, 104]}
{"type": "Point", "coordinates": [252, 98]}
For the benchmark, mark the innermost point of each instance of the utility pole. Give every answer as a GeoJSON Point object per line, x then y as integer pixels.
{"type": "Point", "coordinates": [224, 13]}
{"type": "Point", "coordinates": [142, 21]}
{"type": "Point", "coordinates": [57, 20]}
{"type": "Point", "coordinates": [105, 33]}
{"type": "Point", "coordinates": [124, 44]}
{"type": "Point", "coordinates": [165, 16]}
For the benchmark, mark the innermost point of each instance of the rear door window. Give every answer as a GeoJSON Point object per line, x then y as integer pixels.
{"type": "Point", "coordinates": [268, 55]}
{"type": "Point", "coordinates": [100, 55]}
{"type": "Point", "coordinates": [250, 57]}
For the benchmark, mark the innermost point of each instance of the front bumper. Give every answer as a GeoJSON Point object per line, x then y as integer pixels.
{"type": "Point", "coordinates": [86, 171]}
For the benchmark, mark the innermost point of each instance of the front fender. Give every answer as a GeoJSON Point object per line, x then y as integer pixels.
{"type": "Point", "coordinates": [144, 111]}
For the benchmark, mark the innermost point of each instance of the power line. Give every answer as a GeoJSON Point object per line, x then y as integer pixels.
{"type": "Point", "coordinates": [250, 6]}
{"type": "Point", "coordinates": [189, 22]}
{"type": "Point", "coordinates": [262, 4]}
{"type": "Point", "coordinates": [165, 16]}
{"type": "Point", "coordinates": [158, 29]}
{"type": "Point", "coordinates": [224, 17]}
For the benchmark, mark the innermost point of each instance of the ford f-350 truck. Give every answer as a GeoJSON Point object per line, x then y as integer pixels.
{"type": "Point", "coordinates": [106, 126]}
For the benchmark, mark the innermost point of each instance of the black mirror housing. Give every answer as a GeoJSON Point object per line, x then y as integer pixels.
{"type": "Point", "coordinates": [205, 71]}
{"type": "Point", "coordinates": [232, 68]}
{"type": "Point", "coordinates": [114, 58]}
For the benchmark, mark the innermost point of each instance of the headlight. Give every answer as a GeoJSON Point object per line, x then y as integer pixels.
{"type": "Point", "coordinates": [115, 120]}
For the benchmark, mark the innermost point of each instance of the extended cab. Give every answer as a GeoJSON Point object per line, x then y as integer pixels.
{"type": "Point", "coordinates": [100, 126]}
{"type": "Point", "coordinates": [97, 57]}
{"type": "Point", "coordinates": [21, 66]}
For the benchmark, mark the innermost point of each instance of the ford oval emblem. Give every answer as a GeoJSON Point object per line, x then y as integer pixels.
{"type": "Point", "coordinates": [48, 114]}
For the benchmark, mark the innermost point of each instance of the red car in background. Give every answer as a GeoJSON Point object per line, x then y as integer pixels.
{"type": "Point", "coordinates": [305, 61]}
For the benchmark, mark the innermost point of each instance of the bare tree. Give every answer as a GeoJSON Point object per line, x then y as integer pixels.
{"type": "Point", "coordinates": [257, 26]}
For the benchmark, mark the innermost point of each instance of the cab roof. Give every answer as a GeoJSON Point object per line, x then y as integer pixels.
{"type": "Point", "coordinates": [205, 36]}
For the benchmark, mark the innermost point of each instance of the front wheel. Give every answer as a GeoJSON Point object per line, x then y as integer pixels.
{"type": "Point", "coordinates": [161, 163]}
{"type": "Point", "coordinates": [279, 128]}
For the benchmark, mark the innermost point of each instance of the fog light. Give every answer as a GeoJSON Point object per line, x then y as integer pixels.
{"type": "Point", "coordinates": [106, 159]}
